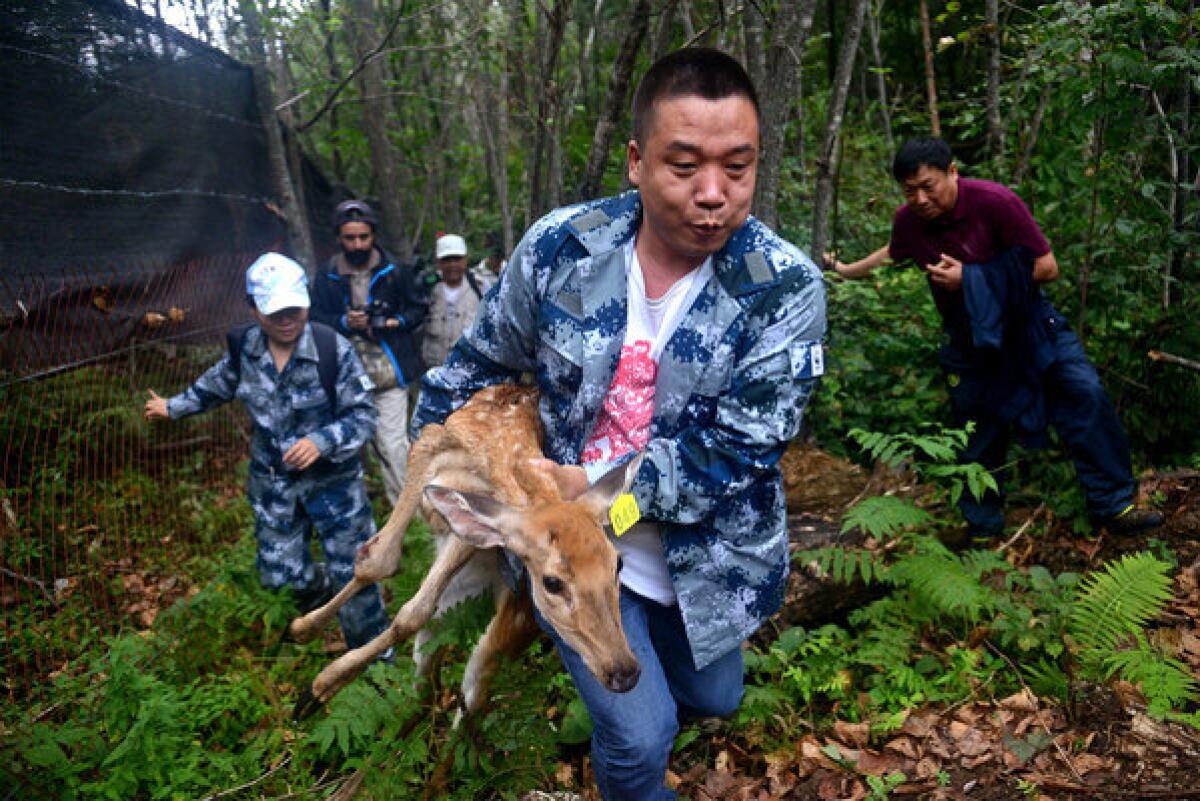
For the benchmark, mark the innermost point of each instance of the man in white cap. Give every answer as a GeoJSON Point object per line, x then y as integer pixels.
{"type": "Point", "coordinates": [310, 403]}
{"type": "Point", "coordinates": [453, 301]}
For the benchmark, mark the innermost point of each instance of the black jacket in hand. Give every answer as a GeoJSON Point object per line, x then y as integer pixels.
{"type": "Point", "coordinates": [394, 284]}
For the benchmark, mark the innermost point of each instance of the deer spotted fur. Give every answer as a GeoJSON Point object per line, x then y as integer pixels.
{"type": "Point", "coordinates": [475, 477]}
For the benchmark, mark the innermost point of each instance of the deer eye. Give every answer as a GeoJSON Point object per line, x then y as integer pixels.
{"type": "Point", "coordinates": [553, 584]}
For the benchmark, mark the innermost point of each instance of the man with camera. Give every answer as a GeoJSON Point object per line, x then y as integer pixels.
{"type": "Point", "coordinates": [373, 300]}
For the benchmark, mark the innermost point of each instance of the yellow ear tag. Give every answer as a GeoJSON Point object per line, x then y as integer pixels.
{"type": "Point", "coordinates": [624, 513]}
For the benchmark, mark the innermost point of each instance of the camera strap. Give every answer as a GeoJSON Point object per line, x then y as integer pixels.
{"type": "Point", "coordinates": [325, 339]}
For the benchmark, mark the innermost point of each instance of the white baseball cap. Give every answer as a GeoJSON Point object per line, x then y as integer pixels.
{"type": "Point", "coordinates": [451, 245]}
{"type": "Point", "coordinates": [276, 282]}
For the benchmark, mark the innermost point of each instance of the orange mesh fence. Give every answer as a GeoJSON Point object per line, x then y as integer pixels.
{"type": "Point", "coordinates": [98, 508]}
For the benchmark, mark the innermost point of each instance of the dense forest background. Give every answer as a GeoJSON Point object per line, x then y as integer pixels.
{"type": "Point", "coordinates": [478, 117]}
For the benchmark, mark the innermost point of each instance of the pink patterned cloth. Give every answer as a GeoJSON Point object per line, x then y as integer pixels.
{"type": "Point", "coordinates": [624, 424]}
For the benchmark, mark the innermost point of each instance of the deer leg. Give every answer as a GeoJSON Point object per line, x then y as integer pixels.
{"type": "Point", "coordinates": [379, 557]}
{"type": "Point", "coordinates": [412, 616]}
{"type": "Point", "coordinates": [511, 631]}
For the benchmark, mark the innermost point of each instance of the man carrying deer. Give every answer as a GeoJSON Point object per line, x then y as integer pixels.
{"type": "Point", "coordinates": [664, 322]}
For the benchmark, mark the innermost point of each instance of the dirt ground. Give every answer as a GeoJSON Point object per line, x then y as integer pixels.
{"type": "Point", "coordinates": [1020, 747]}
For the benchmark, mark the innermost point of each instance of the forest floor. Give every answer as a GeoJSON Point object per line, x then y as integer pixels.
{"type": "Point", "coordinates": [1019, 747]}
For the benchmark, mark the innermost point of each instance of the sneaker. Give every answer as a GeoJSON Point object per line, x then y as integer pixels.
{"type": "Point", "coordinates": [315, 595]}
{"type": "Point", "coordinates": [1132, 520]}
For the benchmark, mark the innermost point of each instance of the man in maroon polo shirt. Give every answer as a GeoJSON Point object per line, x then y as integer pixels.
{"type": "Point", "coordinates": [959, 228]}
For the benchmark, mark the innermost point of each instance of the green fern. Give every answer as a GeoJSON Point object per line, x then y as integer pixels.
{"type": "Point", "coordinates": [1107, 620]}
{"type": "Point", "coordinates": [1048, 679]}
{"type": "Point", "coordinates": [846, 565]}
{"type": "Point", "coordinates": [943, 579]}
{"type": "Point", "coordinates": [1114, 604]}
{"type": "Point", "coordinates": [1166, 682]}
{"type": "Point", "coordinates": [884, 517]}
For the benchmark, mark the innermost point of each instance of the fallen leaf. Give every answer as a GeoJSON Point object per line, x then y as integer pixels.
{"type": "Point", "coordinates": [1024, 701]}
{"type": "Point", "coordinates": [970, 740]}
{"type": "Point", "coordinates": [153, 319]}
{"type": "Point", "coordinates": [919, 725]}
{"type": "Point", "coordinates": [1087, 763]}
{"type": "Point", "coordinates": [855, 734]}
{"type": "Point", "coordinates": [902, 746]}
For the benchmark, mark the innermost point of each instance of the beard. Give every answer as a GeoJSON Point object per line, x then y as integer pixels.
{"type": "Point", "coordinates": [357, 258]}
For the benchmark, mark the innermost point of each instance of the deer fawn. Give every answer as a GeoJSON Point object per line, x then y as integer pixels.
{"type": "Point", "coordinates": [476, 479]}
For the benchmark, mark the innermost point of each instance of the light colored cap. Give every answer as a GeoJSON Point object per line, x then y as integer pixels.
{"type": "Point", "coordinates": [276, 282]}
{"type": "Point", "coordinates": [451, 245]}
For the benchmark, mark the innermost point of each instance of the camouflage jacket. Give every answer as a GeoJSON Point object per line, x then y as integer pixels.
{"type": "Point", "coordinates": [287, 406]}
{"type": "Point", "coordinates": [733, 382]}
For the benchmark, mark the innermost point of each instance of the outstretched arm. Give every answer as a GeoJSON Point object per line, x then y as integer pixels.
{"type": "Point", "coordinates": [858, 269]}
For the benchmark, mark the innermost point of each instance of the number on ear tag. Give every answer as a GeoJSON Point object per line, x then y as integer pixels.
{"type": "Point", "coordinates": [624, 513]}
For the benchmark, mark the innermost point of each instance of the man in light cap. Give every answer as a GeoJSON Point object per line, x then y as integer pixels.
{"type": "Point", "coordinates": [310, 403]}
{"type": "Point", "coordinates": [453, 301]}
{"type": "Point", "coordinates": [372, 299]}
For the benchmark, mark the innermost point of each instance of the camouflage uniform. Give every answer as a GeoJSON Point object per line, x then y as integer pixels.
{"type": "Point", "coordinates": [733, 382]}
{"type": "Point", "coordinates": [329, 496]}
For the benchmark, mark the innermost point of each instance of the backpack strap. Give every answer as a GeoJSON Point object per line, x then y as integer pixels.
{"type": "Point", "coordinates": [474, 282]}
{"type": "Point", "coordinates": [235, 339]}
{"type": "Point", "coordinates": [325, 339]}
{"type": "Point", "coordinates": [327, 361]}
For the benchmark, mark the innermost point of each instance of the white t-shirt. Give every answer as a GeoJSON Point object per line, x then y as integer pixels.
{"type": "Point", "coordinates": [624, 423]}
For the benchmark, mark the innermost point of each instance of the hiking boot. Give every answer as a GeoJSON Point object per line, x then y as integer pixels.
{"type": "Point", "coordinates": [316, 594]}
{"type": "Point", "coordinates": [1132, 521]}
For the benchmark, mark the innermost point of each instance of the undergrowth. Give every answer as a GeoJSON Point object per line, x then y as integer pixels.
{"type": "Point", "coordinates": [955, 625]}
{"type": "Point", "coordinates": [200, 702]}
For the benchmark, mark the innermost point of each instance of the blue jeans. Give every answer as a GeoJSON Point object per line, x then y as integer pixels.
{"type": "Point", "coordinates": [1087, 424]}
{"type": "Point", "coordinates": [633, 732]}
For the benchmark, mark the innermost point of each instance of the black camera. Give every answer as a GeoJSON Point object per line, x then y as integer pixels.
{"type": "Point", "coordinates": [378, 314]}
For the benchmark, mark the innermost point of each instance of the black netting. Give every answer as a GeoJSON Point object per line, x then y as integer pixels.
{"type": "Point", "coordinates": [127, 149]}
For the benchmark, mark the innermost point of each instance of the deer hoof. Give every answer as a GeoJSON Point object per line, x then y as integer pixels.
{"type": "Point", "coordinates": [300, 630]}
{"type": "Point", "coordinates": [306, 705]}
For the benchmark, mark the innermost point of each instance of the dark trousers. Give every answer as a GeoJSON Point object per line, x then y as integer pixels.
{"type": "Point", "coordinates": [1087, 424]}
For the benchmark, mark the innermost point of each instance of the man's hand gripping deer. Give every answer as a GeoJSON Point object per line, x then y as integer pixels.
{"type": "Point", "coordinates": [478, 474]}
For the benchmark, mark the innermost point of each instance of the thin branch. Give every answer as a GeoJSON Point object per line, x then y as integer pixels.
{"type": "Point", "coordinates": [1017, 672]}
{"type": "Point", "coordinates": [367, 58]}
{"type": "Point", "coordinates": [30, 581]}
{"type": "Point", "coordinates": [1160, 356]}
{"type": "Point", "coordinates": [248, 785]}
{"type": "Point", "coordinates": [1024, 527]}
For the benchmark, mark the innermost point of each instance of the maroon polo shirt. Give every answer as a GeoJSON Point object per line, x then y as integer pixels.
{"type": "Point", "coordinates": [988, 219]}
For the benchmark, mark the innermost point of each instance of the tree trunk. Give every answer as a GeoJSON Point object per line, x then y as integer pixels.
{"type": "Point", "coordinates": [297, 226]}
{"type": "Point", "coordinates": [1179, 217]}
{"type": "Point", "coordinates": [335, 77]}
{"type": "Point", "coordinates": [754, 23]}
{"type": "Point", "coordinates": [614, 101]}
{"type": "Point", "coordinates": [995, 126]}
{"type": "Point", "coordinates": [827, 160]}
{"type": "Point", "coordinates": [660, 41]}
{"type": "Point", "coordinates": [490, 109]}
{"type": "Point", "coordinates": [364, 37]}
{"type": "Point", "coordinates": [789, 34]}
{"type": "Point", "coordinates": [289, 117]}
{"type": "Point", "coordinates": [547, 105]}
{"type": "Point", "coordinates": [1035, 127]}
{"type": "Point", "coordinates": [885, 107]}
{"type": "Point", "coordinates": [935, 124]}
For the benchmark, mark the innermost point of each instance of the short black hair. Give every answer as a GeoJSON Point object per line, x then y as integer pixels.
{"type": "Point", "coordinates": [700, 71]}
{"type": "Point", "coordinates": [924, 151]}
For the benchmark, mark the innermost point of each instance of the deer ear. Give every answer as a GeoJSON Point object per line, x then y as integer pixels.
{"type": "Point", "coordinates": [477, 519]}
{"type": "Point", "coordinates": [611, 485]}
